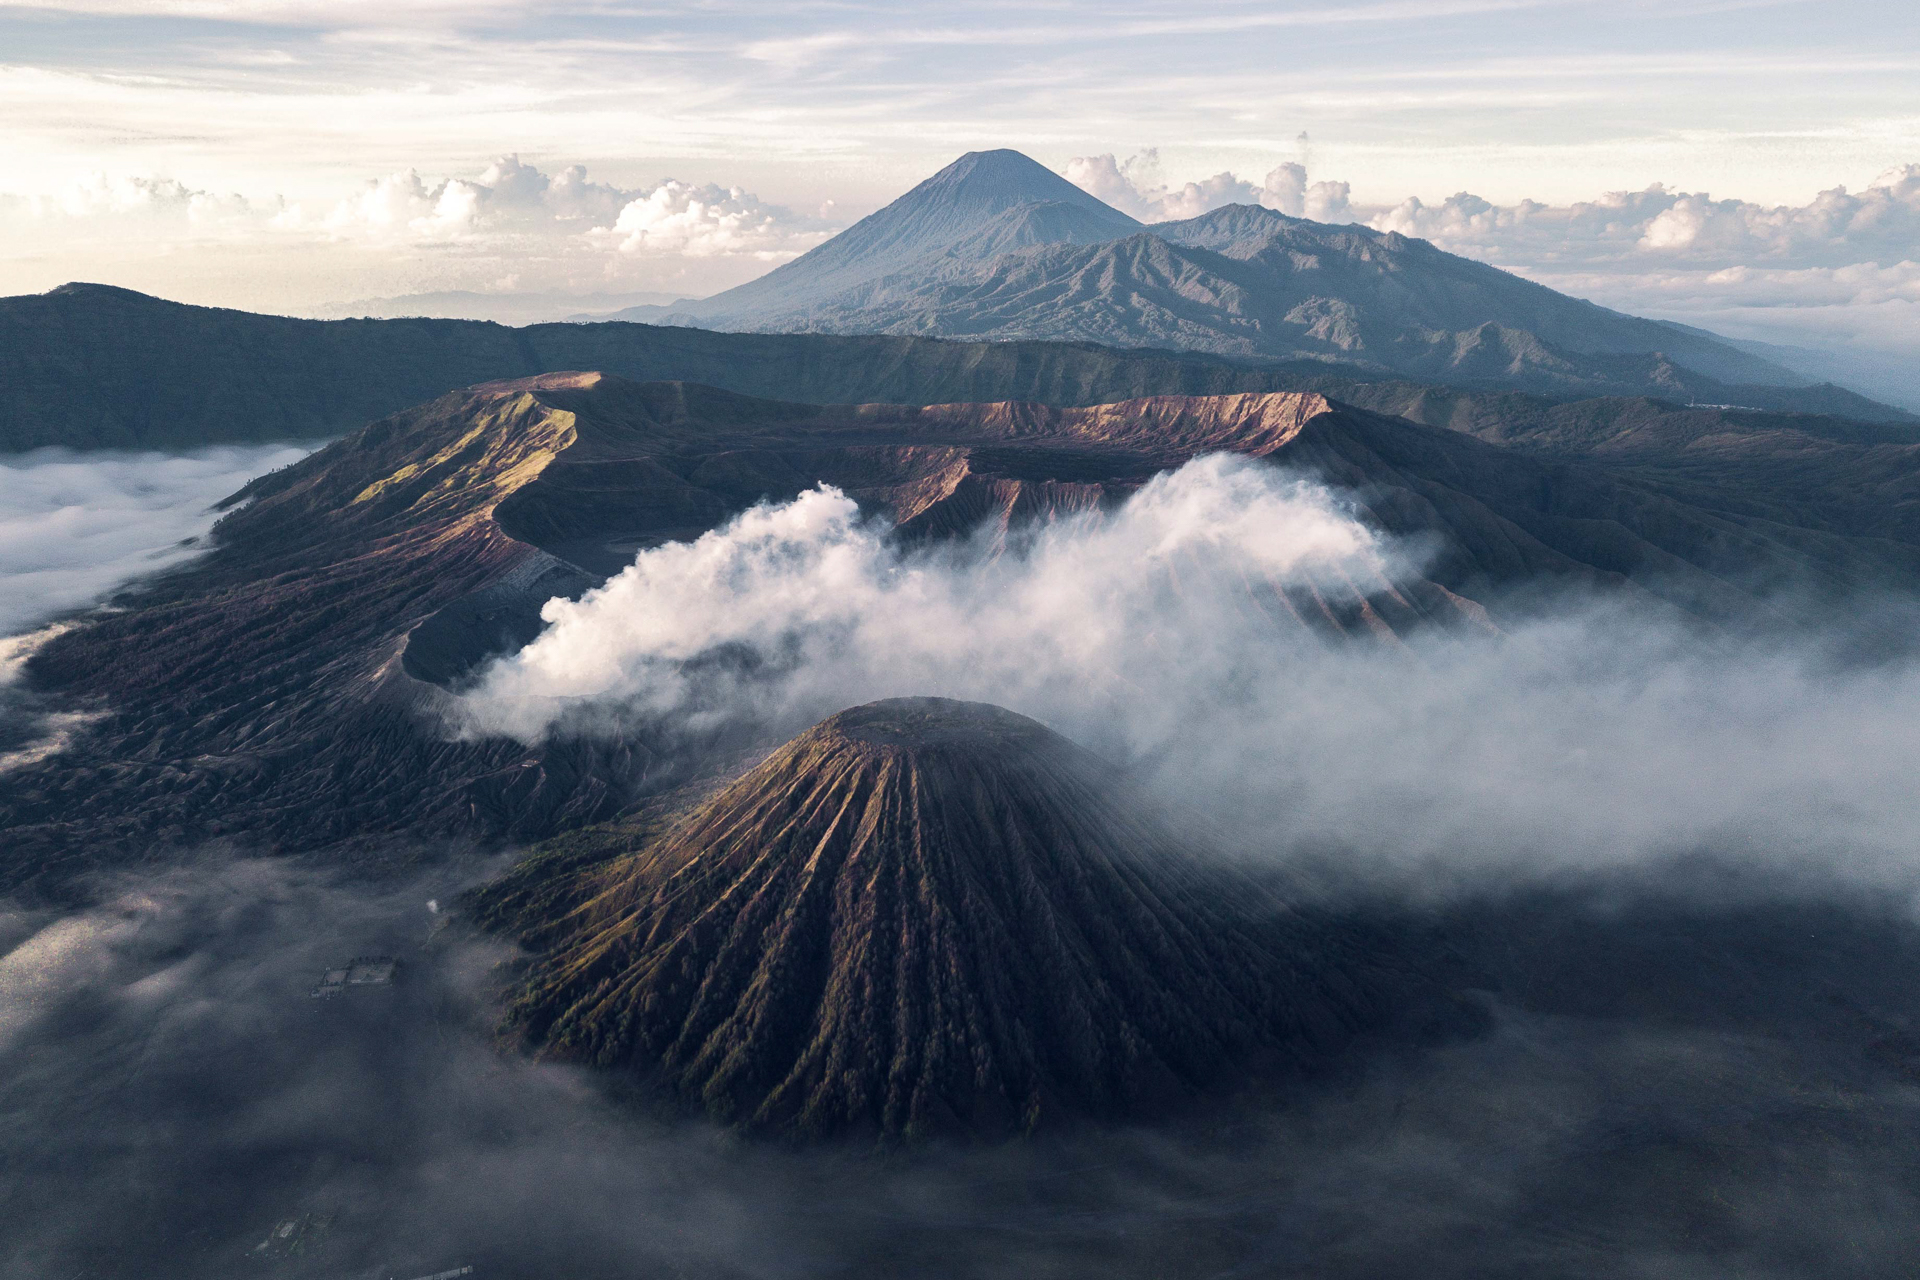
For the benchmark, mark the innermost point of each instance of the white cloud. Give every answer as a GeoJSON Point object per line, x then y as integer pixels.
{"type": "Point", "coordinates": [73, 528]}
{"type": "Point", "coordinates": [1158, 633]}
{"type": "Point", "coordinates": [149, 197]}
{"type": "Point", "coordinates": [839, 612]}
{"type": "Point", "coordinates": [511, 221]}
{"type": "Point", "coordinates": [680, 219]}
{"type": "Point", "coordinates": [1134, 186]}
{"type": "Point", "coordinates": [1836, 229]}
{"type": "Point", "coordinates": [508, 197]}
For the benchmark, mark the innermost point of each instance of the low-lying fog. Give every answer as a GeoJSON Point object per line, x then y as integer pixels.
{"type": "Point", "coordinates": [1682, 861]}
{"type": "Point", "coordinates": [74, 526]}
{"type": "Point", "coordinates": [171, 1098]}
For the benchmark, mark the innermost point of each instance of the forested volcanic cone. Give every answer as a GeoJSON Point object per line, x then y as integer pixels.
{"type": "Point", "coordinates": [924, 915]}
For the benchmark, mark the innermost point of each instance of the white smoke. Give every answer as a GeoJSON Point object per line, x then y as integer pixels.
{"type": "Point", "coordinates": [1594, 735]}
{"type": "Point", "coordinates": [827, 610]}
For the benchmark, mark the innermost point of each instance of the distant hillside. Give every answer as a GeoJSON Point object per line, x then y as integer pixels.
{"type": "Point", "coordinates": [90, 366]}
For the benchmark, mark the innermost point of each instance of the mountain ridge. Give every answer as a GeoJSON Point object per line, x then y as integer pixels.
{"type": "Point", "coordinates": [1281, 287]}
{"type": "Point", "coordinates": [1240, 281]}
{"type": "Point", "coordinates": [291, 687]}
{"type": "Point", "coordinates": [96, 366]}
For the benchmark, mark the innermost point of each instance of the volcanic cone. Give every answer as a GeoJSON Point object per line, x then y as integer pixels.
{"type": "Point", "coordinates": [925, 915]}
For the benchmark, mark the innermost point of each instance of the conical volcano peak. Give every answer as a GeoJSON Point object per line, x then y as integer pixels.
{"type": "Point", "coordinates": [1001, 179]}
{"type": "Point", "coordinates": [948, 212]}
{"type": "Point", "coordinates": [925, 915]}
{"type": "Point", "coordinates": [913, 723]}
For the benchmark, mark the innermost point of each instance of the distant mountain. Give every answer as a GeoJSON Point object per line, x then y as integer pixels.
{"type": "Point", "coordinates": [1882, 374]}
{"type": "Point", "coordinates": [996, 247]}
{"type": "Point", "coordinates": [90, 366]}
{"type": "Point", "coordinates": [288, 688]}
{"type": "Point", "coordinates": [982, 205]}
{"type": "Point", "coordinates": [502, 308]}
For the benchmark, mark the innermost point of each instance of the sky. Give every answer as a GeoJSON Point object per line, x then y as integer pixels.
{"type": "Point", "coordinates": [292, 155]}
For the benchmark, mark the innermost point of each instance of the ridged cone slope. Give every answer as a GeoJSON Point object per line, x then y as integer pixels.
{"type": "Point", "coordinates": [927, 915]}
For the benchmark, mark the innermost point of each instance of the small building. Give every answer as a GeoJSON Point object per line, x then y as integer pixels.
{"type": "Point", "coordinates": [361, 971]}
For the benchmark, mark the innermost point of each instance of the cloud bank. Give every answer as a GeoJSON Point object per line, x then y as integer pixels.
{"type": "Point", "coordinates": [828, 607]}
{"type": "Point", "coordinates": [509, 198]}
{"type": "Point", "coordinates": [1584, 735]}
{"type": "Point", "coordinates": [1836, 231]}
{"type": "Point", "coordinates": [73, 528]}
{"type": "Point", "coordinates": [1135, 186]}
{"type": "Point", "coordinates": [512, 228]}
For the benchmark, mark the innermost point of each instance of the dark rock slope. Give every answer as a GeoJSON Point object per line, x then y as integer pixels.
{"type": "Point", "coordinates": [924, 915]}
{"type": "Point", "coordinates": [289, 687]}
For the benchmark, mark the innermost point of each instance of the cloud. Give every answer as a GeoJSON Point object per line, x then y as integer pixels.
{"type": "Point", "coordinates": [508, 199]}
{"type": "Point", "coordinates": [827, 602]}
{"type": "Point", "coordinates": [75, 527]}
{"type": "Point", "coordinates": [133, 200]}
{"type": "Point", "coordinates": [1586, 735]}
{"type": "Point", "coordinates": [1134, 186]}
{"type": "Point", "coordinates": [510, 227]}
{"type": "Point", "coordinates": [100, 195]}
{"type": "Point", "coordinates": [679, 219]}
{"type": "Point", "coordinates": [1655, 227]}
{"type": "Point", "coordinates": [1879, 224]}
{"type": "Point", "coordinates": [515, 202]}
